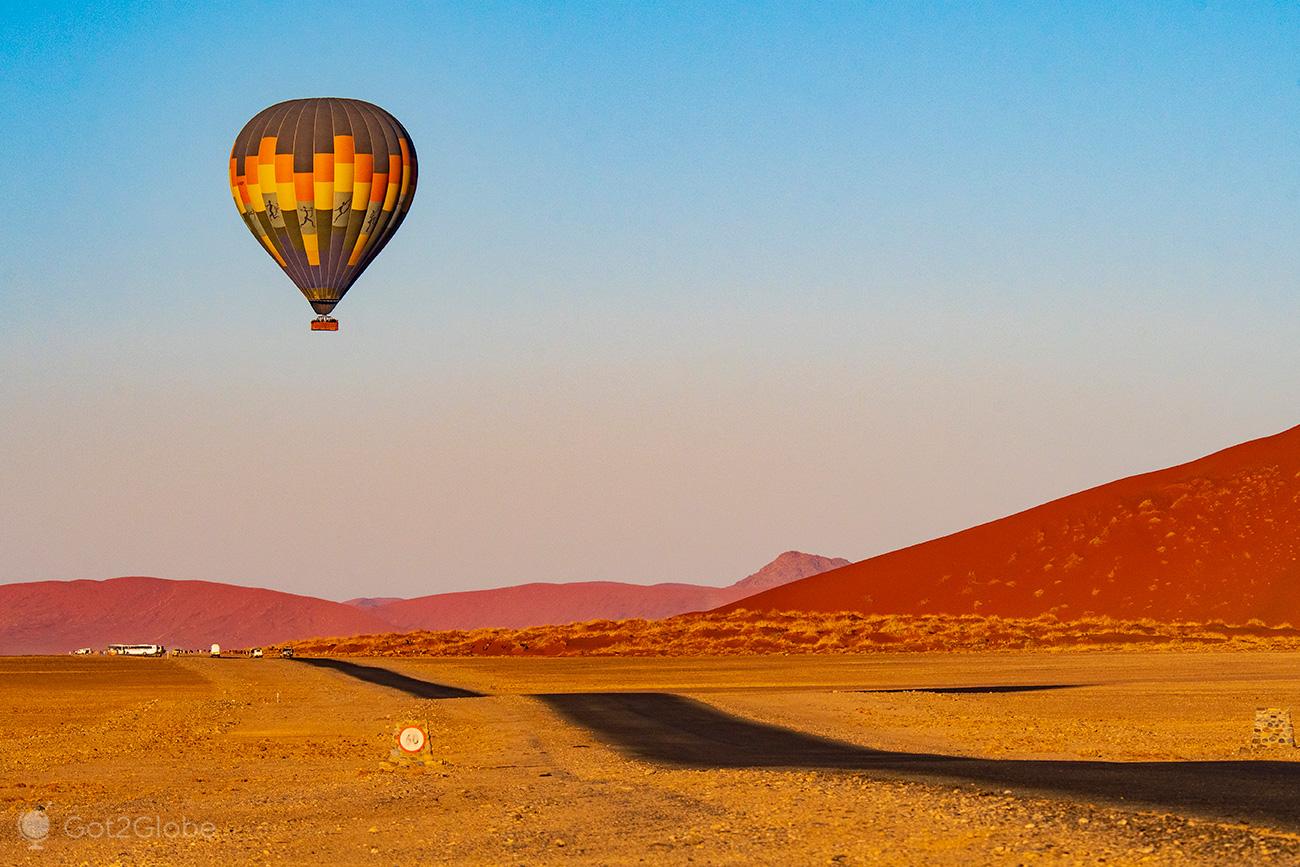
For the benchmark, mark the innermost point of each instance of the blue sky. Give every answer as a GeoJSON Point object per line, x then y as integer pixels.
{"type": "Point", "coordinates": [683, 285]}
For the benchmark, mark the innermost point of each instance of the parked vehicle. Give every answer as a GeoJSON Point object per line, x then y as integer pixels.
{"type": "Point", "coordinates": [82, 651]}
{"type": "Point", "coordinates": [256, 653]}
{"type": "Point", "coordinates": [286, 653]}
{"type": "Point", "coordinates": [216, 650]}
{"type": "Point", "coordinates": [136, 650]}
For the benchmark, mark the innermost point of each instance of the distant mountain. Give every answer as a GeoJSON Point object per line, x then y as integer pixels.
{"type": "Point", "coordinates": [372, 601]}
{"type": "Point", "coordinates": [1214, 539]}
{"type": "Point", "coordinates": [790, 566]}
{"type": "Point", "coordinates": [544, 603]}
{"type": "Point", "coordinates": [60, 616]}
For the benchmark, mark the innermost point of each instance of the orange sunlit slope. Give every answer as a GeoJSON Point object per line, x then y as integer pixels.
{"type": "Point", "coordinates": [1216, 538]}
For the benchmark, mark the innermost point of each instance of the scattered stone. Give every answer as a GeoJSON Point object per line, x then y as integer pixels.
{"type": "Point", "coordinates": [1273, 728]}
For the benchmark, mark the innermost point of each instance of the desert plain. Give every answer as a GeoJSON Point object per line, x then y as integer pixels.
{"type": "Point", "coordinates": [996, 757]}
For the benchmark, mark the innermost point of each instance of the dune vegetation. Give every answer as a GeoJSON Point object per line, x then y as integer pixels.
{"type": "Point", "coordinates": [746, 632]}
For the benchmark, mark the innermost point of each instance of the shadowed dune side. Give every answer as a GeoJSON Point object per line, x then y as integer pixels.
{"type": "Point", "coordinates": [391, 679]}
{"type": "Point", "coordinates": [673, 730]}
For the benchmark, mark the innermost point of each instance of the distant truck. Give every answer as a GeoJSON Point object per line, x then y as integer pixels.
{"type": "Point", "coordinates": [216, 650]}
{"type": "Point", "coordinates": [136, 650]}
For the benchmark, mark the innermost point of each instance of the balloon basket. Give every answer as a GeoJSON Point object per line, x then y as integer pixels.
{"type": "Point", "coordinates": [324, 324]}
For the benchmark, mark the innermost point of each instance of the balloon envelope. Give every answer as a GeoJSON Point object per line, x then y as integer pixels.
{"type": "Point", "coordinates": [323, 184]}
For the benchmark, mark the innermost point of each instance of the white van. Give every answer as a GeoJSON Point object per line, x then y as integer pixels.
{"type": "Point", "coordinates": [256, 653]}
{"type": "Point", "coordinates": [216, 650]}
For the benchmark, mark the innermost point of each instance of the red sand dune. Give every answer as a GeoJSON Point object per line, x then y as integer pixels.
{"type": "Point", "coordinates": [537, 604]}
{"type": "Point", "coordinates": [60, 616]}
{"type": "Point", "coordinates": [1214, 539]}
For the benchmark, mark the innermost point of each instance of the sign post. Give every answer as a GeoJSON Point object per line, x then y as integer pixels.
{"type": "Point", "coordinates": [412, 739]}
{"type": "Point", "coordinates": [412, 745]}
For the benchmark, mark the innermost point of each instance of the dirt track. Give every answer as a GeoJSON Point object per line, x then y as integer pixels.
{"type": "Point", "coordinates": [1007, 757]}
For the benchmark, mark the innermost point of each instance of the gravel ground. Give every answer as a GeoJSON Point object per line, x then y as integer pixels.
{"type": "Point", "coordinates": [710, 761]}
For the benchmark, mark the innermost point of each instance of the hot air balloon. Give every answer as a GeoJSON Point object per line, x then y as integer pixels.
{"type": "Point", "coordinates": [323, 184]}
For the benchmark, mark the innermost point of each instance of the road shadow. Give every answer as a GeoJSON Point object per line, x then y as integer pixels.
{"type": "Point", "coordinates": [681, 732]}
{"type": "Point", "coordinates": [391, 679]}
{"type": "Point", "coordinates": [978, 690]}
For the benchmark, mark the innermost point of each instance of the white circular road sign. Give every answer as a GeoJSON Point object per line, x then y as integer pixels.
{"type": "Point", "coordinates": [411, 739]}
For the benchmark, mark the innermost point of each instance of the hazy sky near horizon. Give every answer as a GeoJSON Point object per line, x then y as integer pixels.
{"type": "Point", "coordinates": [683, 286]}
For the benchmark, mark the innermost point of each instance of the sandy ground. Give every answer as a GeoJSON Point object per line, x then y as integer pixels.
{"type": "Point", "coordinates": [1114, 757]}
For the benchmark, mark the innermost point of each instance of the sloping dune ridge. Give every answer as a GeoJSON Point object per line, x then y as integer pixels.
{"type": "Point", "coordinates": [541, 603]}
{"type": "Point", "coordinates": [1213, 539]}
